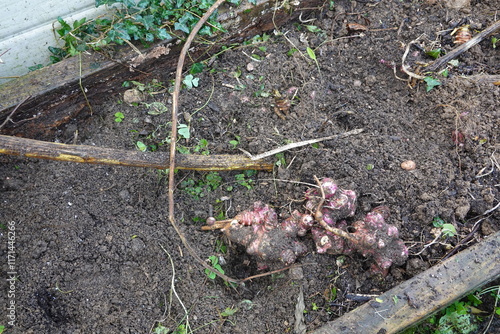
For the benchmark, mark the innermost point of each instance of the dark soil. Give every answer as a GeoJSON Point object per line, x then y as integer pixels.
{"type": "Point", "coordinates": [93, 242]}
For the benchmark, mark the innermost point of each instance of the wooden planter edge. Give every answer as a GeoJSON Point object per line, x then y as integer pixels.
{"type": "Point", "coordinates": [419, 297]}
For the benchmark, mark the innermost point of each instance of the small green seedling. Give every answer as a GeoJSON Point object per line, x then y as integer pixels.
{"type": "Point", "coordinates": [291, 52]}
{"type": "Point", "coordinates": [281, 161]}
{"type": "Point", "coordinates": [119, 116]}
{"type": "Point", "coordinates": [262, 92]}
{"type": "Point", "coordinates": [447, 230]}
{"type": "Point", "coordinates": [245, 180]}
{"type": "Point", "coordinates": [197, 189]}
{"type": "Point", "coordinates": [220, 246]}
{"type": "Point", "coordinates": [235, 142]}
{"type": "Point", "coordinates": [315, 145]}
{"type": "Point", "coordinates": [183, 131]}
{"type": "Point", "coordinates": [160, 329]}
{"type": "Point", "coordinates": [141, 146]}
{"type": "Point", "coordinates": [444, 73]}
{"type": "Point", "coordinates": [494, 41]}
{"type": "Point", "coordinates": [214, 262]}
{"type": "Point", "coordinates": [229, 311]}
{"type": "Point", "coordinates": [190, 81]}
{"type": "Point", "coordinates": [431, 83]}
{"type": "Point", "coordinates": [201, 147]}
{"type": "Point", "coordinates": [312, 55]}
{"type": "Point", "coordinates": [434, 53]}
{"type": "Point", "coordinates": [312, 28]}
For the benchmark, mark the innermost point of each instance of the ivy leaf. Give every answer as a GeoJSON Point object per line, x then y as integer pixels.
{"type": "Point", "coordinates": [65, 27]}
{"type": "Point", "coordinates": [181, 26]}
{"type": "Point", "coordinates": [143, 4]}
{"type": "Point", "coordinates": [163, 34]}
{"type": "Point", "coordinates": [431, 83]}
{"type": "Point", "coordinates": [196, 68]}
{"type": "Point", "coordinates": [147, 21]}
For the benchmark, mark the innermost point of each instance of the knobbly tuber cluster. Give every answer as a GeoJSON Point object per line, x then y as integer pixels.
{"type": "Point", "coordinates": [262, 235]}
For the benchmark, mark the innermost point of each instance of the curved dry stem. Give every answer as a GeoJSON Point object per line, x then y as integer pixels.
{"type": "Point", "coordinates": [171, 175]}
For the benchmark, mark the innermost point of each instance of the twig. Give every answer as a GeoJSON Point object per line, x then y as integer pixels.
{"type": "Point", "coordinates": [404, 68]}
{"type": "Point", "coordinates": [171, 175]}
{"type": "Point", "coordinates": [494, 308]}
{"type": "Point", "coordinates": [13, 111]}
{"type": "Point", "coordinates": [299, 144]}
{"type": "Point", "coordinates": [464, 47]}
{"type": "Point", "coordinates": [81, 85]}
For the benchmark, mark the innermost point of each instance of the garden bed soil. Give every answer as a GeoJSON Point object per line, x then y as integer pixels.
{"type": "Point", "coordinates": [95, 252]}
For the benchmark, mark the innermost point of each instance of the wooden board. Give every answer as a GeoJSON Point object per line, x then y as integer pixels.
{"type": "Point", "coordinates": [424, 294]}
{"type": "Point", "coordinates": [56, 93]}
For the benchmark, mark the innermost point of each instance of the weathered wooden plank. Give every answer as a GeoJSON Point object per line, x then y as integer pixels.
{"type": "Point", "coordinates": [105, 156]}
{"type": "Point", "coordinates": [424, 294]}
{"type": "Point", "coordinates": [56, 95]}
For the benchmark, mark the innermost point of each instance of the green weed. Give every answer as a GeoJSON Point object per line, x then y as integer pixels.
{"type": "Point", "coordinates": [494, 42]}
{"type": "Point", "coordinates": [183, 131]}
{"type": "Point", "coordinates": [229, 311]}
{"type": "Point", "coordinates": [220, 246]}
{"type": "Point", "coordinates": [262, 92]}
{"type": "Point", "coordinates": [119, 116]}
{"type": "Point", "coordinates": [214, 262]}
{"type": "Point", "coordinates": [144, 21]}
{"type": "Point", "coordinates": [460, 317]}
{"type": "Point", "coordinates": [281, 161]}
{"type": "Point", "coordinates": [190, 81]}
{"type": "Point", "coordinates": [431, 83]}
{"type": "Point", "coordinates": [435, 53]}
{"type": "Point", "coordinates": [197, 189]}
{"type": "Point", "coordinates": [235, 142]}
{"type": "Point", "coordinates": [141, 146]}
{"type": "Point", "coordinates": [447, 230]}
{"type": "Point", "coordinates": [312, 55]}
{"type": "Point", "coordinates": [245, 178]}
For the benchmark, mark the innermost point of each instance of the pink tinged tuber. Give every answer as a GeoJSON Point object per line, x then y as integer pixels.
{"type": "Point", "coordinates": [262, 236]}
{"type": "Point", "coordinates": [376, 239]}
{"type": "Point", "coordinates": [259, 231]}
